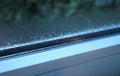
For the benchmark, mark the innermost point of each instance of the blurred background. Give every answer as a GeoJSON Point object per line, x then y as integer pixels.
{"type": "Point", "coordinates": [22, 9]}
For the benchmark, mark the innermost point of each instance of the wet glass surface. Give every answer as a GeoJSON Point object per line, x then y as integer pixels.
{"type": "Point", "coordinates": [30, 31]}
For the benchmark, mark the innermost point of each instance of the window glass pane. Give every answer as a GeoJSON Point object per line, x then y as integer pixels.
{"type": "Point", "coordinates": [24, 22]}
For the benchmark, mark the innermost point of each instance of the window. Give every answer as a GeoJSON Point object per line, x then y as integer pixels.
{"type": "Point", "coordinates": [57, 34]}
{"type": "Point", "coordinates": [63, 22]}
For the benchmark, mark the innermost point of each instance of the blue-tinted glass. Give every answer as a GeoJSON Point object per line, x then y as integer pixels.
{"type": "Point", "coordinates": [34, 21]}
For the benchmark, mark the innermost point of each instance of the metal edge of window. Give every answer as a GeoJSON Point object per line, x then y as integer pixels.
{"type": "Point", "coordinates": [61, 57]}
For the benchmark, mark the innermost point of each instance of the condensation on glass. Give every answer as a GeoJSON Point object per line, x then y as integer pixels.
{"type": "Point", "coordinates": [29, 31]}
